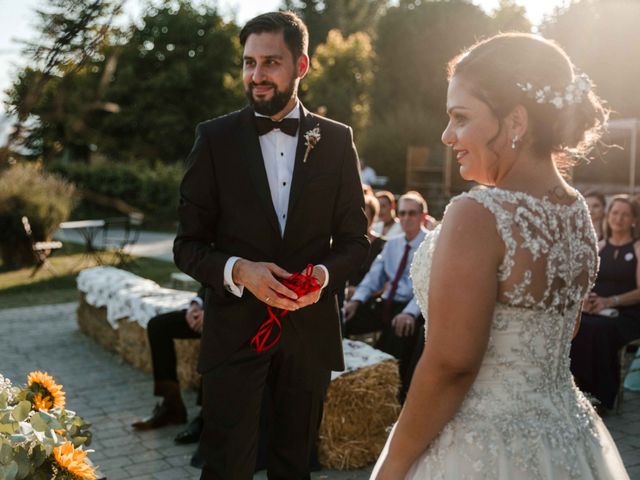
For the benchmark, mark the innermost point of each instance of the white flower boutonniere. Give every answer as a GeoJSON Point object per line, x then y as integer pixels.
{"type": "Point", "coordinates": [311, 137]}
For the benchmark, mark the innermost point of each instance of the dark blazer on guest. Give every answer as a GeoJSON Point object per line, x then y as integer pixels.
{"type": "Point", "coordinates": [226, 210]}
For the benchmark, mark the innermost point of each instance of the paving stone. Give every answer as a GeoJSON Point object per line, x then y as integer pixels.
{"type": "Point", "coordinates": [151, 467]}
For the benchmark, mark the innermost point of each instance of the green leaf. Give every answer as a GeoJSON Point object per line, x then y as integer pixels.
{"type": "Point", "coordinates": [10, 471]}
{"type": "Point", "coordinates": [21, 411]}
{"type": "Point", "coordinates": [5, 453]}
{"type": "Point", "coordinates": [39, 423]}
{"type": "Point", "coordinates": [78, 441]}
{"type": "Point", "coordinates": [3, 400]}
{"type": "Point", "coordinates": [18, 438]}
{"type": "Point", "coordinates": [9, 427]}
{"type": "Point", "coordinates": [24, 465]}
{"type": "Point", "coordinates": [38, 456]}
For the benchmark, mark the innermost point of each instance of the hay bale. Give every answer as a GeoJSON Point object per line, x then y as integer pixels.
{"type": "Point", "coordinates": [187, 353]}
{"type": "Point", "coordinates": [359, 408]}
{"type": "Point", "coordinates": [133, 344]}
{"type": "Point", "coordinates": [92, 321]}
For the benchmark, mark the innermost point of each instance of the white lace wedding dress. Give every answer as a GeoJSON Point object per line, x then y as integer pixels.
{"type": "Point", "coordinates": [524, 418]}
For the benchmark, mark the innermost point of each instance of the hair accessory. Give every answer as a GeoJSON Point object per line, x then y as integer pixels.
{"type": "Point", "coordinates": [572, 94]}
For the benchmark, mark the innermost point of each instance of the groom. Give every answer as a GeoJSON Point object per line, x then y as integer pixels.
{"type": "Point", "coordinates": [258, 202]}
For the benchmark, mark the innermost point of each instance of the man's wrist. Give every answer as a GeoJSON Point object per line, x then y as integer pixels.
{"type": "Point", "coordinates": [237, 271]}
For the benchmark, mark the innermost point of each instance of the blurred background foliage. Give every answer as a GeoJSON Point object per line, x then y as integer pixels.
{"type": "Point", "coordinates": [113, 108]}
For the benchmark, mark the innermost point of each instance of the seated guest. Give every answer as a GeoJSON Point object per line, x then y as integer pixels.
{"type": "Point", "coordinates": [611, 312]}
{"type": "Point", "coordinates": [161, 331]}
{"type": "Point", "coordinates": [396, 314]}
{"type": "Point", "coordinates": [388, 225]}
{"type": "Point", "coordinates": [596, 204]}
{"type": "Point", "coordinates": [371, 209]}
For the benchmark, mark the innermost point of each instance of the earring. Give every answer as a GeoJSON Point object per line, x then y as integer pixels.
{"type": "Point", "coordinates": [514, 142]}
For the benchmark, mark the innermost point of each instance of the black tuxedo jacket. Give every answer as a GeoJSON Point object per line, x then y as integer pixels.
{"type": "Point", "coordinates": [226, 210]}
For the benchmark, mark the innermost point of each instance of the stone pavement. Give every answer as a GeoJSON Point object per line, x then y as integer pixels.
{"type": "Point", "coordinates": [111, 394]}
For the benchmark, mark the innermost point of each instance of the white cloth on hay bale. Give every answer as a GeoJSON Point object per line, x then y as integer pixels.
{"type": "Point", "coordinates": [126, 295]}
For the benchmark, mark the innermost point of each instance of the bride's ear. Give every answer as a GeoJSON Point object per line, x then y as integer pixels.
{"type": "Point", "coordinates": [518, 122]}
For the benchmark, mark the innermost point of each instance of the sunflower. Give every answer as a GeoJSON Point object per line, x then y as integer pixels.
{"type": "Point", "coordinates": [47, 393]}
{"type": "Point", "coordinates": [73, 461]}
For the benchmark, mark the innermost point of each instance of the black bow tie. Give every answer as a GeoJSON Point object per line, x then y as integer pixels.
{"type": "Point", "coordinates": [287, 125]}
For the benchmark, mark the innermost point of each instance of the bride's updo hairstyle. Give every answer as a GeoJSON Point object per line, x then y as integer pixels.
{"type": "Point", "coordinates": [566, 117]}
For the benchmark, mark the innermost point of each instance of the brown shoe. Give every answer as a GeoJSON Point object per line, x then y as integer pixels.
{"type": "Point", "coordinates": [162, 415]}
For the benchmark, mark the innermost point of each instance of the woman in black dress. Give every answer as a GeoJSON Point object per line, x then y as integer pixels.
{"type": "Point", "coordinates": [594, 352]}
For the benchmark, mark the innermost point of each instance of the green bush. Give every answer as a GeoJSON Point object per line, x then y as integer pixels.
{"type": "Point", "coordinates": [150, 189]}
{"type": "Point", "coordinates": [45, 198]}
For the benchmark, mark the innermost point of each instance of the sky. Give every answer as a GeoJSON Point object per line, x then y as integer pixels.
{"type": "Point", "coordinates": [17, 18]}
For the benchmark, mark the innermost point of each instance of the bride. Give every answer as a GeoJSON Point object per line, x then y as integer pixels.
{"type": "Point", "coordinates": [501, 281]}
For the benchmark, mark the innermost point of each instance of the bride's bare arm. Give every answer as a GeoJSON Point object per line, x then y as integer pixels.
{"type": "Point", "coordinates": [462, 296]}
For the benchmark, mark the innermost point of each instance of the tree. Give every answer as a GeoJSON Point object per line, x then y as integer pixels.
{"type": "Point", "coordinates": [415, 40]}
{"type": "Point", "coordinates": [602, 38]}
{"type": "Point", "coordinates": [72, 33]}
{"type": "Point", "coordinates": [180, 67]}
{"type": "Point", "coordinates": [510, 17]}
{"type": "Point", "coordinates": [347, 16]}
{"type": "Point", "coordinates": [340, 80]}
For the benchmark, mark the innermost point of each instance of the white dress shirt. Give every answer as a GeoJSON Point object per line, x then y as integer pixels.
{"type": "Point", "coordinates": [279, 155]}
{"type": "Point", "coordinates": [383, 270]}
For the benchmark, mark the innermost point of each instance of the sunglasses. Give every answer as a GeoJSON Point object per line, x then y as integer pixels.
{"type": "Point", "coordinates": [408, 213]}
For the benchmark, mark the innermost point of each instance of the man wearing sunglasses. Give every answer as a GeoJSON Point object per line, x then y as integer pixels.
{"type": "Point", "coordinates": [396, 313]}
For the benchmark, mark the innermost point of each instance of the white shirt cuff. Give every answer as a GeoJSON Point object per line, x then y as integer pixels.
{"type": "Point", "coordinates": [237, 290]}
{"type": "Point", "coordinates": [198, 300]}
{"type": "Point", "coordinates": [326, 275]}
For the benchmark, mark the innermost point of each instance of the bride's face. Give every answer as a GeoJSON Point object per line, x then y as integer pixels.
{"type": "Point", "coordinates": [474, 134]}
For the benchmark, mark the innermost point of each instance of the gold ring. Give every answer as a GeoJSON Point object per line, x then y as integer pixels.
{"type": "Point", "coordinates": [266, 299]}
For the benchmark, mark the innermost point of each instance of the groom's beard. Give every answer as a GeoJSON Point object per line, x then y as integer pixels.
{"type": "Point", "coordinates": [277, 102]}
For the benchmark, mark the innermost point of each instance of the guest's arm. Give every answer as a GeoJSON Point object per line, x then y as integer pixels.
{"type": "Point", "coordinates": [631, 297]}
{"type": "Point", "coordinates": [462, 296]}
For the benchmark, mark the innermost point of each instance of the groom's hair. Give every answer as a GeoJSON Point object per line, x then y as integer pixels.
{"type": "Point", "coordinates": [295, 32]}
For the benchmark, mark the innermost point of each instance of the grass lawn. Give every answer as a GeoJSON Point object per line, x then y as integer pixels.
{"type": "Point", "coordinates": [17, 289]}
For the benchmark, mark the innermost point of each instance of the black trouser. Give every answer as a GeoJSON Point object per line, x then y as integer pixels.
{"type": "Point", "coordinates": [161, 331]}
{"type": "Point", "coordinates": [233, 394]}
{"type": "Point", "coordinates": [369, 318]}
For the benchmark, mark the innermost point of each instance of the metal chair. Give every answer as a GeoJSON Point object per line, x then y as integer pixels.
{"type": "Point", "coordinates": [626, 354]}
{"type": "Point", "coordinates": [120, 234]}
{"type": "Point", "coordinates": [41, 250]}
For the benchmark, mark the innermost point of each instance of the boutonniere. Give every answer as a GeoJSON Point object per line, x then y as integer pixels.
{"type": "Point", "coordinates": [311, 138]}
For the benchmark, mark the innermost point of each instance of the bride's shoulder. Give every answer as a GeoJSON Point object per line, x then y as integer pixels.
{"type": "Point", "coordinates": [469, 226]}
{"type": "Point", "coordinates": [476, 200]}
{"type": "Point", "coordinates": [469, 209]}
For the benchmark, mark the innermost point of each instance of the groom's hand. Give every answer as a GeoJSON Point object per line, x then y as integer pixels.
{"type": "Point", "coordinates": [311, 298]}
{"type": "Point", "coordinates": [260, 279]}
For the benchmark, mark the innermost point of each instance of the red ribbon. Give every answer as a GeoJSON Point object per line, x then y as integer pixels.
{"type": "Point", "coordinates": [301, 284]}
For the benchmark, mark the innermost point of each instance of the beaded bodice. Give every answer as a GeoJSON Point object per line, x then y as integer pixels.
{"type": "Point", "coordinates": [524, 387]}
